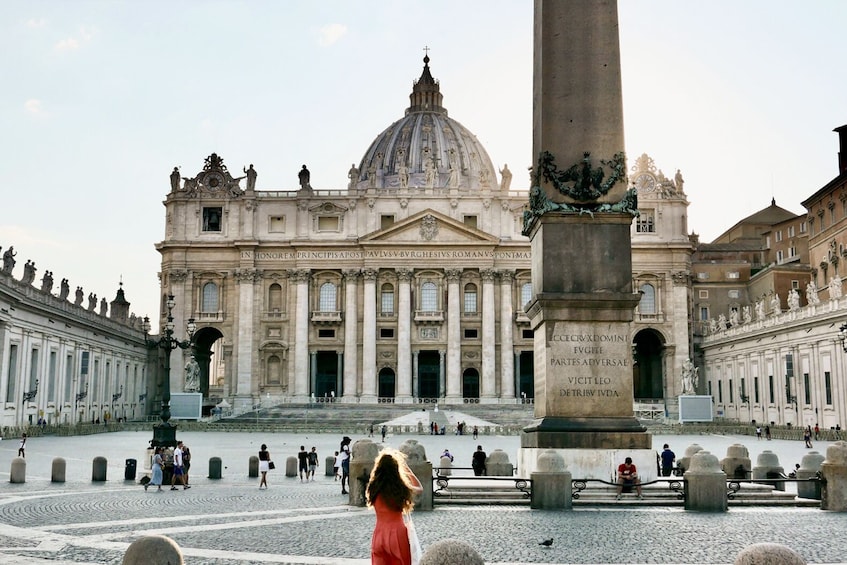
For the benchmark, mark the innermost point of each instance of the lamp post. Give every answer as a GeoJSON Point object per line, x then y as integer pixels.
{"type": "Point", "coordinates": [842, 335]}
{"type": "Point", "coordinates": [164, 433]}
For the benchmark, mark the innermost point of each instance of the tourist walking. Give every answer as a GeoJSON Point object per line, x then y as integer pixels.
{"type": "Point", "coordinates": [390, 492]}
{"type": "Point", "coordinates": [156, 475]}
{"type": "Point", "coordinates": [303, 463]}
{"type": "Point", "coordinates": [22, 447]}
{"type": "Point", "coordinates": [817, 432]}
{"type": "Point", "coordinates": [478, 461]}
{"type": "Point", "coordinates": [384, 431]}
{"type": "Point", "coordinates": [179, 470]}
{"type": "Point", "coordinates": [264, 465]}
{"type": "Point", "coordinates": [313, 463]}
{"type": "Point", "coordinates": [475, 432]}
{"type": "Point", "coordinates": [186, 463]}
{"type": "Point", "coordinates": [807, 436]}
{"type": "Point", "coordinates": [335, 464]}
{"type": "Point", "coordinates": [668, 457]}
{"type": "Point", "coordinates": [759, 433]}
{"type": "Point", "coordinates": [344, 455]}
{"type": "Point", "coordinates": [768, 433]}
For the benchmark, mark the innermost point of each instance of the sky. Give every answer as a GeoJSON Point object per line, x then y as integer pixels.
{"type": "Point", "coordinates": [101, 99]}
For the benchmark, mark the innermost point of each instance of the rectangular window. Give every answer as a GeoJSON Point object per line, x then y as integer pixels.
{"type": "Point", "coordinates": [703, 276]}
{"type": "Point", "coordinates": [276, 224]}
{"type": "Point", "coordinates": [795, 285]}
{"type": "Point", "coordinates": [328, 223]}
{"type": "Point", "coordinates": [470, 221]}
{"type": "Point", "coordinates": [802, 227]}
{"type": "Point", "coordinates": [756, 390]}
{"type": "Point", "coordinates": [212, 218]}
{"type": "Point", "coordinates": [827, 380]}
{"type": "Point", "coordinates": [743, 390]}
{"type": "Point", "coordinates": [386, 333]}
{"type": "Point", "coordinates": [704, 294]}
{"type": "Point", "coordinates": [13, 373]}
{"type": "Point", "coordinates": [731, 392]}
{"type": "Point", "coordinates": [387, 302]}
{"type": "Point", "coordinates": [792, 252]}
{"type": "Point", "coordinates": [644, 223]}
{"type": "Point", "coordinates": [704, 313]}
{"type": "Point", "coordinates": [720, 392]}
{"type": "Point", "coordinates": [527, 334]}
{"type": "Point", "coordinates": [733, 275]}
{"type": "Point", "coordinates": [326, 333]}
{"type": "Point", "coordinates": [51, 378]}
{"type": "Point", "coordinates": [779, 256]}
{"type": "Point", "coordinates": [790, 231]}
{"type": "Point", "coordinates": [471, 334]}
{"type": "Point", "coordinates": [770, 389]}
{"type": "Point", "coordinates": [69, 377]}
{"type": "Point", "coordinates": [710, 388]}
{"type": "Point", "coordinates": [779, 236]}
{"type": "Point", "coordinates": [807, 388]}
{"type": "Point", "coordinates": [33, 369]}
{"type": "Point", "coordinates": [386, 221]}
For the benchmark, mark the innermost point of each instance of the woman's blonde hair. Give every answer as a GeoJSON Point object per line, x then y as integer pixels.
{"type": "Point", "coordinates": [391, 480]}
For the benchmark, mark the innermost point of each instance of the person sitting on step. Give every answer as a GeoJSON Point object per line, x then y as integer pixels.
{"type": "Point", "coordinates": [628, 476]}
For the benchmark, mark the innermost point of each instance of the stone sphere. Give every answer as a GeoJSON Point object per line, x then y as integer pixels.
{"type": "Point", "coordinates": [153, 550]}
{"type": "Point", "coordinates": [451, 552]}
{"type": "Point", "coordinates": [414, 452]}
{"type": "Point", "coordinates": [692, 449]}
{"type": "Point", "coordinates": [704, 462]}
{"type": "Point", "coordinates": [768, 554]}
{"type": "Point", "coordinates": [812, 462]}
{"type": "Point", "coordinates": [737, 451]}
{"type": "Point", "coordinates": [550, 462]}
{"type": "Point", "coordinates": [836, 454]}
{"type": "Point", "coordinates": [767, 458]}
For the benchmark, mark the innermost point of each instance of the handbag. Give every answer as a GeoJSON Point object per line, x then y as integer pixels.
{"type": "Point", "coordinates": [414, 542]}
{"type": "Point", "coordinates": [271, 465]}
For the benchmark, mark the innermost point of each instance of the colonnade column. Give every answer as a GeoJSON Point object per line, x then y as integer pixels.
{"type": "Point", "coordinates": [454, 344]}
{"type": "Point", "coordinates": [179, 285]}
{"type": "Point", "coordinates": [404, 334]}
{"type": "Point", "coordinates": [369, 392]}
{"type": "Point", "coordinates": [489, 374]}
{"type": "Point", "coordinates": [507, 341]}
{"type": "Point", "coordinates": [244, 366]}
{"type": "Point", "coordinates": [415, 386]}
{"type": "Point", "coordinates": [442, 377]}
{"type": "Point", "coordinates": [301, 334]}
{"type": "Point", "coordinates": [313, 373]}
{"type": "Point", "coordinates": [351, 332]}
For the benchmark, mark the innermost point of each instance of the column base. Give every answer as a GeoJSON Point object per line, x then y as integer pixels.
{"type": "Point", "coordinates": [586, 433]}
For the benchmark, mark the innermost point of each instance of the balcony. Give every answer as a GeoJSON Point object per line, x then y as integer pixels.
{"type": "Point", "coordinates": [210, 317]}
{"type": "Point", "coordinates": [429, 316]}
{"type": "Point", "coordinates": [326, 317]}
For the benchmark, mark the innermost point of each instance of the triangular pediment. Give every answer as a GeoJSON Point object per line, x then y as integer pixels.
{"type": "Point", "coordinates": [429, 226]}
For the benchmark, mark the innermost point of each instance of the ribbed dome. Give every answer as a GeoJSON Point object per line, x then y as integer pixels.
{"type": "Point", "coordinates": [426, 148]}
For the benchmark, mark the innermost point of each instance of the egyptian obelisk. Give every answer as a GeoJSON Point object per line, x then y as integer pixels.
{"type": "Point", "coordinates": [579, 224]}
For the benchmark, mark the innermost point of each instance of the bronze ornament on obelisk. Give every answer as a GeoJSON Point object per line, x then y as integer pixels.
{"type": "Point", "coordinates": [579, 223]}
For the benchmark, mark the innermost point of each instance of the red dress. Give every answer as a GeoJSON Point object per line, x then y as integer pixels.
{"type": "Point", "coordinates": [390, 543]}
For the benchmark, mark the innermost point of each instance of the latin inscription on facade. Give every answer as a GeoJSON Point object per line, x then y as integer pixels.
{"type": "Point", "coordinates": [385, 254]}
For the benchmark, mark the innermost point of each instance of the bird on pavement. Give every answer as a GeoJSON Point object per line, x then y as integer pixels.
{"type": "Point", "coordinates": [546, 543]}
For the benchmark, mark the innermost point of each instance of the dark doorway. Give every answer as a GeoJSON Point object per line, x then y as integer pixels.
{"type": "Point", "coordinates": [470, 384]}
{"type": "Point", "coordinates": [647, 375]}
{"type": "Point", "coordinates": [429, 366]}
{"type": "Point", "coordinates": [203, 340]}
{"type": "Point", "coordinates": [387, 384]}
{"type": "Point", "coordinates": [326, 379]}
{"type": "Point", "coordinates": [526, 378]}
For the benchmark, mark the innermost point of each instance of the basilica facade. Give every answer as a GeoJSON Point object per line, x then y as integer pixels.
{"type": "Point", "coordinates": [406, 286]}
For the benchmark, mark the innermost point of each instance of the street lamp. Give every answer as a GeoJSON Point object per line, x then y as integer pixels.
{"type": "Point", "coordinates": [164, 434]}
{"type": "Point", "coordinates": [842, 335]}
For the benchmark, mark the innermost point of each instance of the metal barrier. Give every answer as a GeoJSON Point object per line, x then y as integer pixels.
{"type": "Point", "coordinates": [441, 483]}
{"type": "Point", "coordinates": [776, 479]}
{"type": "Point", "coordinates": [674, 485]}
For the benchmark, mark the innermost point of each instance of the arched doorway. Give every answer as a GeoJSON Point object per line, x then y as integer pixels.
{"type": "Point", "coordinates": [429, 367]}
{"type": "Point", "coordinates": [647, 369]}
{"type": "Point", "coordinates": [386, 383]}
{"type": "Point", "coordinates": [205, 346]}
{"type": "Point", "coordinates": [470, 383]}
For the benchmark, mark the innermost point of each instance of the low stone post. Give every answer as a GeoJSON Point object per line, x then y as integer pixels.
{"type": "Point", "coordinates": [98, 469]}
{"type": "Point", "coordinates": [153, 550]}
{"type": "Point", "coordinates": [705, 484]}
{"type": "Point", "coordinates": [362, 457]}
{"type": "Point", "coordinates": [737, 463]}
{"type": "Point", "coordinates": [215, 466]}
{"type": "Point", "coordinates": [416, 459]}
{"type": "Point", "coordinates": [450, 552]}
{"type": "Point", "coordinates": [689, 452]}
{"type": "Point", "coordinates": [328, 466]}
{"type": "Point", "coordinates": [57, 474]}
{"type": "Point", "coordinates": [497, 464]}
{"type": "Point", "coordinates": [551, 483]}
{"type": "Point", "coordinates": [253, 466]}
{"type": "Point", "coordinates": [834, 471]}
{"type": "Point", "coordinates": [445, 467]}
{"type": "Point", "coordinates": [768, 467]}
{"type": "Point", "coordinates": [810, 466]}
{"type": "Point", "coordinates": [291, 467]}
{"type": "Point", "coordinates": [760, 553]}
{"type": "Point", "coordinates": [18, 470]}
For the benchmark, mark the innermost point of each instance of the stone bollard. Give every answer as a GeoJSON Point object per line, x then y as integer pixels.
{"type": "Point", "coordinates": [497, 464]}
{"type": "Point", "coordinates": [768, 467]}
{"type": "Point", "coordinates": [551, 483]}
{"type": "Point", "coordinates": [810, 466]}
{"type": "Point", "coordinates": [362, 457]}
{"type": "Point", "coordinates": [253, 466]}
{"type": "Point", "coordinates": [153, 550]}
{"type": "Point", "coordinates": [57, 474]}
{"type": "Point", "coordinates": [98, 469]}
{"type": "Point", "coordinates": [416, 459]}
{"type": "Point", "coordinates": [18, 471]}
{"type": "Point", "coordinates": [450, 552]}
{"type": "Point", "coordinates": [445, 467]}
{"type": "Point", "coordinates": [737, 463]}
{"type": "Point", "coordinates": [689, 452]}
{"type": "Point", "coordinates": [834, 472]}
{"type": "Point", "coordinates": [291, 467]}
{"type": "Point", "coordinates": [215, 466]}
{"type": "Point", "coordinates": [705, 484]}
{"type": "Point", "coordinates": [767, 553]}
{"type": "Point", "coordinates": [329, 462]}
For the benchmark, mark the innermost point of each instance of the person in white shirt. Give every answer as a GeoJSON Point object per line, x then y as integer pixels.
{"type": "Point", "coordinates": [179, 471]}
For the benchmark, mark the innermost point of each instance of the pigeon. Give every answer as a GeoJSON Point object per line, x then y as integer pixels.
{"type": "Point", "coordinates": [546, 543]}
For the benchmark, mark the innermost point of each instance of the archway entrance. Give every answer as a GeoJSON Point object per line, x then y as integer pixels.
{"type": "Point", "coordinates": [470, 384]}
{"type": "Point", "coordinates": [206, 345]}
{"type": "Point", "coordinates": [387, 383]}
{"type": "Point", "coordinates": [326, 379]}
{"type": "Point", "coordinates": [526, 376]}
{"type": "Point", "coordinates": [428, 370]}
{"type": "Point", "coordinates": [647, 369]}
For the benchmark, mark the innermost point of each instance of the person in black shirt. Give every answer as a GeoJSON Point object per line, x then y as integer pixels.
{"type": "Point", "coordinates": [303, 463]}
{"type": "Point", "coordinates": [478, 461]}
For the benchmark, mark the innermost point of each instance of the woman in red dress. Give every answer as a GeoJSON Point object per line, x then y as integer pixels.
{"type": "Point", "coordinates": [391, 491]}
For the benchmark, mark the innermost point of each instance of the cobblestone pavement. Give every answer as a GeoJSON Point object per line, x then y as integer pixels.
{"type": "Point", "coordinates": [231, 521]}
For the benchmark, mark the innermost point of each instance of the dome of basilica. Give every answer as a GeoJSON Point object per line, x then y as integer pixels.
{"type": "Point", "coordinates": [425, 149]}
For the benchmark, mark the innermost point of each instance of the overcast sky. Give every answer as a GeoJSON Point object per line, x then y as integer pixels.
{"type": "Point", "coordinates": [101, 99]}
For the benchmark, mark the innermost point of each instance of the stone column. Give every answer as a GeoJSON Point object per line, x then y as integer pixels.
{"type": "Point", "coordinates": [313, 372]}
{"type": "Point", "coordinates": [705, 484]}
{"type": "Point", "coordinates": [369, 391]}
{"type": "Point", "coordinates": [246, 347]}
{"type": "Point", "coordinates": [489, 370]}
{"type": "Point", "coordinates": [507, 343]}
{"type": "Point", "coordinates": [442, 376]}
{"type": "Point", "coordinates": [351, 331]}
{"type": "Point", "coordinates": [301, 334]}
{"type": "Point", "coordinates": [415, 386]}
{"type": "Point", "coordinates": [404, 334]}
{"type": "Point", "coordinates": [454, 336]}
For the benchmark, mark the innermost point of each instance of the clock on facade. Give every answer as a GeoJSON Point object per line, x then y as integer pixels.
{"type": "Point", "coordinates": [214, 180]}
{"type": "Point", "coordinates": [645, 182]}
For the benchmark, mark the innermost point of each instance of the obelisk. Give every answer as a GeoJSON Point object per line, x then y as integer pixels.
{"type": "Point", "coordinates": [579, 224]}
